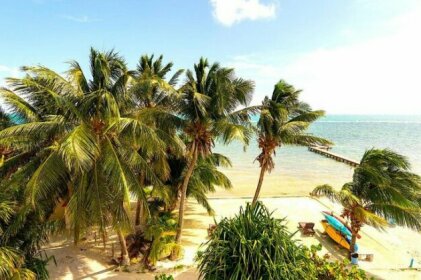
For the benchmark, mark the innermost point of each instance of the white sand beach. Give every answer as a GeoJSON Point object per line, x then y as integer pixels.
{"type": "Point", "coordinates": [392, 249]}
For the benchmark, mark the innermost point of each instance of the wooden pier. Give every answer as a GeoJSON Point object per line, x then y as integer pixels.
{"type": "Point", "coordinates": [324, 151]}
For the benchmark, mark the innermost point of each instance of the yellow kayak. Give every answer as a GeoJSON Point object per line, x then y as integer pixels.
{"type": "Point", "coordinates": [335, 235]}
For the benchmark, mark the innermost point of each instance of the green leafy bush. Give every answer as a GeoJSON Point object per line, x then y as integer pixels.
{"type": "Point", "coordinates": [164, 277]}
{"type": "Point", "coordinates": [254, 245]}
{"type": "Point", "coordinates": [334, 270]}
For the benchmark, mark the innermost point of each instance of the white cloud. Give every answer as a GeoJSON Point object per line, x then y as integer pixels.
{"type": "Point", "coordinates": [229, 12]}
{"type": "Point", "coordinates": [380, 75]}
{"type": "Point", "coordinates": [81, 19]}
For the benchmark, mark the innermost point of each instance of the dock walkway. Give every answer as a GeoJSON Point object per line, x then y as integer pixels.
{"type": "Point", "coordinates": [321, 150]}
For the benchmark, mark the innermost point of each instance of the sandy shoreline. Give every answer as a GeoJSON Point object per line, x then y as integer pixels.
{"type": "Point", "coordinates": [281, 182]}
{"type": "Point", "coordinates": [392, 249]}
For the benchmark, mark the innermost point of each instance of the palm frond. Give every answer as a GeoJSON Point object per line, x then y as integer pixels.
{"type": "Point", "coordinates": [79, 149]}
{"type": "Point", "coordinates": [48, 180]}
{"type": "Point", "coordinates": [401, 215]}
{"type": "Point", "coordinates": [174, 79]}
{"type": "Point", "coordinates": [12, 265]}
{"type": "Point", "coordinates": [229, 132]}
{"type": "Point", "coordinates": [369, 218]}
{"type": "Point", "coordinates": [18, 105]}
{"type": "Point", "coordinates": [327, 191]}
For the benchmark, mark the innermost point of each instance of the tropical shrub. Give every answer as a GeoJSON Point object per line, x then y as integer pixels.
{"type": "Point", "coordinates": [164, 277]}
{"type": "Point", "coordinates": [334, 270]}
{"type": "Point", "coordinates": [156, 242]}
{"type": "Point", "coordinates": [255, 245]}
{"type": "Point", "coordinates": [161, 232]}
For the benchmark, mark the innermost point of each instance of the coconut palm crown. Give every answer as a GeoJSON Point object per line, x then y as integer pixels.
{"type": "Point", "coordinates": [283, 120]}
{"type": "Point", "coordinates": [382, 190]}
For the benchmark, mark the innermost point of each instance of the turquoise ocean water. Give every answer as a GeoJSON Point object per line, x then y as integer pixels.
{"type": "Point", "coordinates": [298, 171]}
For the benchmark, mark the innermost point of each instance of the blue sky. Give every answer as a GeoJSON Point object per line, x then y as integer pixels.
{"type": "Point", "coordinates": [348, 56]}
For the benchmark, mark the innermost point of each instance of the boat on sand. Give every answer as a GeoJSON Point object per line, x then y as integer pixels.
{"type": "Point", "coordinates": [342, 220]}
{"type": "Point", "coordinates": [337, 230]}
{"type": "Point", "coordinates": [335, 235]}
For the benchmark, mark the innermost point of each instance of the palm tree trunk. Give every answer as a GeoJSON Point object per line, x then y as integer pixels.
{"type": "Point", "coordinates": [353, 242]}
{"type": "Point", "coordinates": [140, 222]}
{"type": "Point", "coordinates": [104, 237]}
{"type": "Point", "coordinates": [175, 203]}
{"type": "Point", "coordinates": [259, 184]}
{"type": "Point", "coordinates": [139, 205]}
{"type": "Point", "coordinates": [186, 180]}
{"type": "Point", "coordinates": [125, 260]}
{"type": "Point", "coordinates": [354, 231]}
{"type": "Point", "coordinates": [138, 209]}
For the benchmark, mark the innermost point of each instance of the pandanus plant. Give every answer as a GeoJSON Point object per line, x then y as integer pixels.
{"type": "Point", "coordinates": [284, 120]}
{"type": "Point", "coordinates": [383, 190]}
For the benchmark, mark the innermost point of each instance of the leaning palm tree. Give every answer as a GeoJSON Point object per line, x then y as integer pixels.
{"type": "Point", "coordinates": [207, 107]}
{"type": "Point", "coordinates": [382, 190]}
{"type": "Point", "coordinates": [283, 120]}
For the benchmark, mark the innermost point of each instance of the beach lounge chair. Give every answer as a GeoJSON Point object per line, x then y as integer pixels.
{"type": "Point", "coordinates": [306, 228]}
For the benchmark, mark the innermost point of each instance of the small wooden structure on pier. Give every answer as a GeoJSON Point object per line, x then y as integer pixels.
{"type": "Point", "coordinates": [324, 150]}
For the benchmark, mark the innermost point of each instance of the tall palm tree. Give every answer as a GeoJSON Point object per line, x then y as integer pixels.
{"type": "Point", "coordinates": [283, 120]}
{"type": "Point", "coordinates": [76, 147]}
{"type": "Point", "coordinates": [382, 190]}
{"type": "Point", "coordinates": [151, 92]}
{"type": "Point", "coordinates": [207, 107]}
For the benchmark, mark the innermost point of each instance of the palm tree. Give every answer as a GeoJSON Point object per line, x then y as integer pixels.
{"type": "Point", "coordinates": [207, 108]}
{"type": "Point", "coordinates": [150, 92]}
{"type": "Point", "coordinates": [76, 148]}
{"type": "Point", "coordinates": [382, 190]}
{"type": "Point", "coordinates": [283, 120]}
